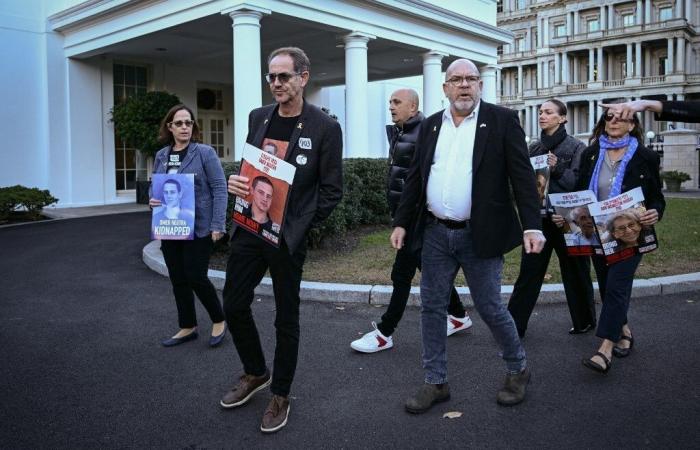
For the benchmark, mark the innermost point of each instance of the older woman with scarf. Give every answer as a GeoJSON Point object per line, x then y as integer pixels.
{"type": "Point", "coordinates": [616, 162]}
{"type": "Point", "coordinates": [564, 154]}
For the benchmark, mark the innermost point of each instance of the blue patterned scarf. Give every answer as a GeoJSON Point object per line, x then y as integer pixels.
{"type": "Point", "coordinates": [605, 145]}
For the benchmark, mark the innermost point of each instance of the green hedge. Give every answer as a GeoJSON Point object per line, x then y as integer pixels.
{"type": "Point", "coordinates": [364, 199]}
{"type": "Point", "coordinates": [20, 198]}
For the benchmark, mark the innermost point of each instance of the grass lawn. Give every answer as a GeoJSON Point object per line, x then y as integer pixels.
{"type": "Point", "coordinates": [369, 257]}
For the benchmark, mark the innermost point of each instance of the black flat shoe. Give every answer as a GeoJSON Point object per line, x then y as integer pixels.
{"type": "Point", "coordinates": [171, 342]}
{"type": "Point", "coordinates": [621, 352]}
{"type": "Point", "coordinates": [595, 366]}
{"type": "Point", "coordinates": [215, 341]}
{"type": "Point", "coordinates": [583, 330]}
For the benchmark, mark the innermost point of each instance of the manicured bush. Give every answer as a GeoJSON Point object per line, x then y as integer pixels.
{"type": "Point", "coordinates": [364, 200]}
{"type": "Point", "coordinates": [21, 198]}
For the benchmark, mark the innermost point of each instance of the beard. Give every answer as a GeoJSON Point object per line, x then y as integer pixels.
{"type": "Point", "coordinates": [465, 105]}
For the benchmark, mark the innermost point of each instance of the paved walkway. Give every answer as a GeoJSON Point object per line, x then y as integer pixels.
{"type": "Point", "coordinates": [82, 366]}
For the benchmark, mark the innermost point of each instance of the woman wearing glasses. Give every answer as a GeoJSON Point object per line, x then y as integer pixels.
{"type": "Point", "coordinates": [188, 261]}
{"type": "Point", "coordinates": [616, 162]}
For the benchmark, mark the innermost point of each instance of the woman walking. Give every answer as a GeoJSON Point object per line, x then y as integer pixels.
{"type": "Point", "coordinates": [188, 260]}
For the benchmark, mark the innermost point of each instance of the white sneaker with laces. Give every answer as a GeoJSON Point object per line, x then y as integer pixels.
{"type": "Point", "coordinates": [456, 324]}
{"type": "Point", "coordinates": [372, 342]}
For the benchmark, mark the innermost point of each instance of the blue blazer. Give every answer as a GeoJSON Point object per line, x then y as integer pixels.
{"type": "Point", "coordinates": [210, 195]}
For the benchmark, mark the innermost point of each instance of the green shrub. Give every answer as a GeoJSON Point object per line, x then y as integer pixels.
{"type": "Point", "coordinates": [31, 200]}
{"type": "Point", "coordinates": [137, 119]}
{"type": "Point", "coordinates": [675, 175]}
{"type": "Point", "coordinates": [364, 200]}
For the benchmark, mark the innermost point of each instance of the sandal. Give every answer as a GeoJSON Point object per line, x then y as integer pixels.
{"type": "Point", "coordinates": [621, 352]}
{"type": "Point", "coordinates": [595, 366]}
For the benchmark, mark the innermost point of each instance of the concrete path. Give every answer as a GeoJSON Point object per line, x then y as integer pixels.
{"type": "Point", "coordinates": [82, 366]}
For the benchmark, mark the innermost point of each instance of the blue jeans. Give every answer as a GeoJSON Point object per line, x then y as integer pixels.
{"type": "Point", "coordinates": [444, 252]}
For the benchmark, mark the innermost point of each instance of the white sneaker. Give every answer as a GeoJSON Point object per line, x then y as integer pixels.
{"type": "Point", "coordinates": [456, 324]}
{"type": "Point", "coordinates": [374, 341]}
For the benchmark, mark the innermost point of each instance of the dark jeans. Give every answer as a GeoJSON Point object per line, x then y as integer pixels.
{"type": "Point", "coordinates": [444, 252]}
{"type": "Point", "coordinates": [405, 265]}
{"type": "Point", "coordinates": [615, 286]}
{"type": "Point", "coordinates": [250, 258]}
{"type": "Point", "coordinates": [188, 263]}
{"type": "Point", "coordinates": [575, 274]}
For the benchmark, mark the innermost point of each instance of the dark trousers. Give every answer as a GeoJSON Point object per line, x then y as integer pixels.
{"type": "Point", "coordinates": [575, 274]}
{"type": "Point", "coordinates": [405, 265]}
{"type": "Point", "coordinates": [250, 258]}
{"type": "Point", "coordinates": [615, 286]}
{"type": "Point", "coordinates": [188, 263]}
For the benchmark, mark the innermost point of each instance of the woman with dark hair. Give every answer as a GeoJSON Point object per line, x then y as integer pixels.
{"type": "Point", "coordinates": [188, 260]}
{"type": "Point", "coordinates": [563, 155]}
{"type": "Point", "coordinates": [616, 162]}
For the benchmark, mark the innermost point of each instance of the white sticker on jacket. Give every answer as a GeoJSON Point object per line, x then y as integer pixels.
{"type": "Point", "coordinates": [305, 143]}
{"type": "Point", "coordinates": [301, 160]}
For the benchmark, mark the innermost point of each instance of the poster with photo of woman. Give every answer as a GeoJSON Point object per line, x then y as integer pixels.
{"type": "Point", "coordinates": [619, 229]}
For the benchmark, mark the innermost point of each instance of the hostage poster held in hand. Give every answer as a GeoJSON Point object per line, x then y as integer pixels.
{"type": "Point", "coordinates": [579, 230]}
{"type": "Point", "coordinates": [539, 163]}
{"type": "Point", "coordinates": [618, 226]}
{"type": "Point", "coordinates": [270, 178]}
{"type": "Point", "coordinates": [174, 220]}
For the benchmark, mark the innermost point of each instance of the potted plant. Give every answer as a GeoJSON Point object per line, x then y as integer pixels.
{"type": "Point", "coordinates": [136, 120]}
{"type": "Point", "coordinates": [673, 179]}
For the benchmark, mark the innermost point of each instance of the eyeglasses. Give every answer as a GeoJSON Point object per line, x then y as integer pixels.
{"type": "Point", "coordinates": [179, 123]}
{"type": "Point", "coordinates": [631, 226]}
{"type": "Point", "coordinates": [283, 77]}
{"type": "Point", "coordinates": [609, 118]}
{"type": "Point", "coordinates": [457, 81]}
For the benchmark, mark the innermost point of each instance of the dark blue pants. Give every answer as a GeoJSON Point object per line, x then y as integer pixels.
{"type": "Point", "coordinates": [615, 285]}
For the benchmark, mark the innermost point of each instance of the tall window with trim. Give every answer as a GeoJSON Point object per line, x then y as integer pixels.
{"type": "Point", "coordinates": [129, 81]}
{"type": "Point", "coordinates": [665, 13]}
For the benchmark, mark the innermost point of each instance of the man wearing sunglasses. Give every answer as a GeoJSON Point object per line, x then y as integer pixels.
{"type": "Point", "coordinates": [311, 140]}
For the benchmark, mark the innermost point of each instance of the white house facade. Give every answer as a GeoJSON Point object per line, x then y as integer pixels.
{"type": "Point", "coordinates": [67, 62]}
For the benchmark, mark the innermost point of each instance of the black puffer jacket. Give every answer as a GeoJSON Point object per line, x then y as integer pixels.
{"type": "Point", "coordinates": [402, 146]}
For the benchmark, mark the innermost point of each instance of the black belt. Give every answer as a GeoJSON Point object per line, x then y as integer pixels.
{"type": "Point", "coordinates": [451, 224]}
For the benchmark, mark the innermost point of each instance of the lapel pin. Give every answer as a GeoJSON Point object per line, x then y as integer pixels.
{"type": "Point", "coordinates": [434, 128]}
{"type": "Point", "coordinates": [265, 121]}
{"type": "Point", "coordinates": [483, 125]}
{"type": "Point", "coordinates": [300, 125]}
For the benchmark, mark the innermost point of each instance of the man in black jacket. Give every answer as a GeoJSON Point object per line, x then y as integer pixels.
{"type": "Point", "coordinates": [312, 141]}
{"type": "Point", "coordinates": [402, 135]}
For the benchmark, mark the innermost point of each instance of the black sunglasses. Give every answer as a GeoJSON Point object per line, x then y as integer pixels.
{"type": "Point", "coordinates": [283, 77]}
{"type": "Point", "coordinates": [610, 116]}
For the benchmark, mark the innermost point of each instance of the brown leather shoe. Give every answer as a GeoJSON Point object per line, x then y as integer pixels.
{"type": "Point", "coordinates": [513, 391]}
{"type": "Point", "coordinates": [276, 414]}
{"type": "Point", "coordinates": [244, 390]}
{"type": "Point", "coordinates": [427, 396]}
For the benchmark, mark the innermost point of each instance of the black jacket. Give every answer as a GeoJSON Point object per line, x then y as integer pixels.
{"type": "Point", "coordinates": [402, 146]}
{"type": "Point", "coordinates": [641, 171]}
{"type": "Point", "coordinates": [500, 157]}
{"type": "Point", "coordinates": [682, 111]}
{"type": "Point", "coordinates": [318, 180]}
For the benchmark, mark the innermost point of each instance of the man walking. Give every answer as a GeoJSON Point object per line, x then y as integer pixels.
{"type": "Point", "coordinates": [458, 185]}
{"type": "Point", "coordinates": [402, 135]}
{"type": "Point", "coordinates": [309, 139]}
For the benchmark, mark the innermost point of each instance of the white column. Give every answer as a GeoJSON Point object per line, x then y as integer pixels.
{"type": "Point", "coordinates": [601, 65]}
{"type": "Point", "coordinates": [602, 21]}
{"type": "Point", "coordinates": [640, 12]}
{"type": "Point", "coordinates": [540, 33]}
{"type": "Point", "coordinates": [488, 76]}
{"type": "Point", "coordinates": [521, 82]}
{"type": "Point", "coordinates": [534, 129]}
{"type": "Point", "coordinates": [638, 60]}
{"type": "Point", "coordinates": [647, 11]}
{"type": "Point", "coordinates": [679, 9]}
{"type": "Point", "coordinates": [629, 65]}
{"type": "Point", "coordinates": [539, 75]}
{"type": "Point", "coordinates": [569, 28]}
{"type": "Point", "coordinates": [565, 68]}
{"type": "Point", "coordinates": [689, 11]}
{"type": "Point", "coordinates": [574, 116]}
{"type": "Point", "coordinates": [647, 63]}
{"type": "Point", "coordinates": [499, 91]}
{"type": "Point", "coordinates": [247, 79]}
{"type": "Point", "coordinates": [356, 123]}
{"type": "Point", "coordinates": [545, 32]}
{"type": "Point", "coordinates": [611, 17]}
{"type": "Point", "coordinates": [528, 118]}
{"type": "Point", "coordinates": [576, 22]}
{"type": "Point", "coordinates": [545, 67]}
{"type": "Point", "coordinates": [576, 69]}
{"type": "Point", "coordinates": [591, 63]}
{"type": "Point", "coordinates": [432, 82]}
{"type": "Point", "coordinates": [681, 54]}
{"type": "Point", "coordinates": [591, 115]}
{"type": "Point", "coordinates": [670, 66]}
{"type": "Point", "coordinates": [557, 68]}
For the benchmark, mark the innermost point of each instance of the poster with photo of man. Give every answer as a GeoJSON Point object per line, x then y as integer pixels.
{"type": "Point", "coordinates": [619, 228]}
{"type": "Point", "coordinates": [579, 229]}
{"type": "Point", "coordinates": [174, 220]}
{"type": "Point", "coordinates": [262, 211]}
{"type": "Point", "coordinates": [539, 164]}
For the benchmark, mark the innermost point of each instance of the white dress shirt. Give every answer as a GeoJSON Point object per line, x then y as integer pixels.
{"type": "Point", "coordinates": [450, 180]}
